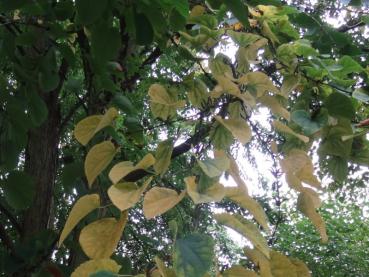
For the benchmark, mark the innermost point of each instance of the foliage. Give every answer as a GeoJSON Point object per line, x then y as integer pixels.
{"type": "Point", "coordinates": [118, 120]}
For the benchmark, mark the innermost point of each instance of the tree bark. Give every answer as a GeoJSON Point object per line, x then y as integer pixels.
{"type": "Point", "coordinates": [41, 163]}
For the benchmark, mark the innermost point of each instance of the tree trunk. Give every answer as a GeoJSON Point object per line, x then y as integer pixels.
{"type": "Point", "coordinates": [41, 163]}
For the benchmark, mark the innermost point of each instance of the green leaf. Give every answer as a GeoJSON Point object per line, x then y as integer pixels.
{"type": "Point", "coordinates": [105, 42]}
{"type": "Point", "coordinates": [193, 255]}
{"type": "Point", "coordinates": [88, 13]}
{"type": "Point", "coordinates": [124, 104]}
{"type": "Point", "coordinates": [340, 105]}
{"type": "Point", "coordinates": [19, 190]}
{"type": "Point", "coordinates": [338, 168]}
{"type": "Point", "coordinates": [361, 95]}
{"type": "Point", "coordinates": [243, 39]}
{"type": "Point", "coordinates": [163, 156]}
{"type": "Point", "coordinates": [103, 273]}
{"type": "Point", "coordinates": [302, 118]}
{"type": "Point", "coordinates": [239, 10]}
{"type": "Point", "coordinates": [144, 29]}
{"type": "Point", "coordinates": [220, 137]}
{"type": "Point", "coordinates": [349, 65]}
{"type": "Point", "coordinates": [214, 167]}
{"type": "Point", "coordinates": [70, 173]}
{"type": "Point", "coordinates": [198, 94]}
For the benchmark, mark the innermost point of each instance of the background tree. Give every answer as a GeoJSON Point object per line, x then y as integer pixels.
{"type": "Point", "coordinates": [104, 101]}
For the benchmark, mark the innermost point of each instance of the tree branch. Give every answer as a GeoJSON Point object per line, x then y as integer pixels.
{"type": "Point", "coordinates": [11, 218]}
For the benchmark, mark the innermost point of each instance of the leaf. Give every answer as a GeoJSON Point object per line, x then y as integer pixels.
{"type": "Point", "coordinates": [289, 84]}
{"type": "Point", "coordinates": [238, 127]}
{"type": "Point", "coordinates": [241, 197]}
{"type": "Point", "coordinates": [97, 159]}
{"type": "Point", "coordinates": [81, 208]}
{"type": "Point", "coordinates": [214, 193]}
{"type": "Point", "coordinates": [239, 10]}
{"type": "Point", "coordinates": [122, 169]}
{"type": "Point", "coordinates": [164, 102]}
{"type": "Point", "coordinates": [220, 137]}
{"type": "Point", "coordinates": [239, 271]}
{"type": "Point", "coordinates": [338, 104]}
{"type": "Point", "coordinates": [164, 271]}
{"type": "Point", "coordinates": [158, 200]}
{"type": "Point", "coordinates": [273, 104]}
{"type": "Point", "coordinates": [163, 156]}
{"type": "Point", "coordinates": [259, 260]}
{"type": "Point", "coordinates": [89, 126]}
{"type": "Point", "coordinates": [281, 266]}
{"type": "Point", "coordinates": [105, 43]}
{"type": "Point", "coordinates": [309, 126]}
{"type": "Point", "coordinates": [198, 93]}
{"type": "Point", "coordinates": [301, 269]}
{"type": "Point", "coordinates": [19, 189]}
{"type": "Point", "coordinates": [88, 13]}
{"type": "Point", "coordinates": [126, 195]}
{"type": "Point", "coordinates": [100, 238]}
{"type": "Point", "coordinates": [285, 129]}
{"type": "Point", "coordinates": [260, 81]}
{"type": "Point", "coordinates": [338, 168]}
{"type": "Point", "coordinates": [214, 167]}
{"type": "Point", "coordinates": [306, 203]}
{"type": "Point", "coordinates": [144, 29]}
{"type": "Point", "coordinates": [243, 39]}
{"type": "Point", "coordinates": [361, 95]}
{"type": "Point", "coordinates": [193, 255]}
{"type": "Point", "coordinates": [245, 228]}
{"type": "Point", "coordinates": [92, 266]}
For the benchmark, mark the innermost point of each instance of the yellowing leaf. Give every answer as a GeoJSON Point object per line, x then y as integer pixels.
{"type": "Point", "coordinates": [276, 108]}
{"type": "Point", "coordinates": [238, 127]}
{"type": "Point", "coordinates": [163, 155]}
{"type": "Point", "coordinates": [159, 200]}
{"type": "Point", "coordinates": [301, 268]}
{"type": "Point", "coordinates": [89, 126]}
{"type": "Point", "coordinates": [122, 169]}
{"type": "Point", "coordinates": [307, 205]}
{"type": "Point", "coordinates": [289, 84]}
{"type": "Point", "coordinates": [81, 208]}
{"type": "Point", "coordinates": [214, 167]}
{"type": "Point", "coordinates": [239, 271]}
{"type": "Point", "coordinates": [259, 81]}
{"type": "Point", "coordinates": [245, 228]}
{"type": "Point", "coordinates": [163, 102]}
{"type": "Point", "coordinates": [97, 159]}
{"type": "Point", "coordinates": [241, 197]}
{"type": "Point", "coordinates": [92, 266]}
{"type": "Point", "coordinates": [214, 193]}
{"type": "Point", "coordinates": [228, 86]}
{"type": "Point", "coordinates": [198, 93]}
{"type": "Point", "coordinates": [281, 266]}
{"type": "Point", "coordinates": [285, 129]}
{"type": "Point", "coordinates": [126, 195]}
{"type": "Point", "coordinates": [260, 261]}
{"type": "Point", "coordinates": [197, 10]}
{"type": "Point", "coordinates": [100, 238]}
{"type": "Point", "coordinates": [85, 129]}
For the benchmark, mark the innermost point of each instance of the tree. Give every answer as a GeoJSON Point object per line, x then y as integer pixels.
{"type": "Point", "coordinates": [104, 103]}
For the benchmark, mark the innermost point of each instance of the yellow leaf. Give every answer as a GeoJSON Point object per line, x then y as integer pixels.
{"type": "Point", "coordinates": [307, 205]}
{"type": "Point", "coordinates": [301, 268]}
{"type": "Point", "coordinates": [245, 201]}
{"type": "Point", "coordinates": [259, 81]}
{"type": "Point", "coordinates": [260, 261]}
{"type": "Point", "coordinates": [239, 271]}
{"type": "Point", "coordinates": [163, 156]}
{"type": "Point", "coordinates": [81, 208]}
{"type": "Point", "coordinates": [235, 173]}
{"type": "Point", "coordinates": [285, 129]}
{"type": "Point", "coordinates": [276, 108]}
{"type": "Point", "coordinates": [100, 238]}
{"type": "Point", "coordinates": [89, 126]}
{"type": "Point", "coordinates": [228, 86]}
{"type": "Point", "coordinates": [126, 195]}
{"type": "Point", "coordinates": [85, 129]}
{"type": "Point", "coordinates": [197, 10]}
{"type": "Point", "coordinates": [122, 169]}
{"type": "Point", "coordinates": [215, 193]}
{"type": "Point", "coordinates": [92, 266]}
{"type": "Point", "coordinates": [159, 200]}
{"type": "Point", "coordinates": [164, 271]}
{"type": "Point", "coordinates": [164, 103]}
{"type": "Point", "coordinates": [238, 127]}
{"type": "Point", "coordinates": [281, 266]}
{"type": "Point", "coordinates": [246, 228]}
{"type": "Point", "coordinates": [214, 167]}
{"type": "Point", "coordinates": [97, 159]}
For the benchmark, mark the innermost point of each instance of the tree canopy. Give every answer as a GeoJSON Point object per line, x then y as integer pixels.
{"type": "Point", "coordinates": [126, 127]}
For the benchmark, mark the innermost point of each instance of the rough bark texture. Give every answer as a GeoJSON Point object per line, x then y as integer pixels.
{"type": "Point", "coordinates": [41, 164]}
